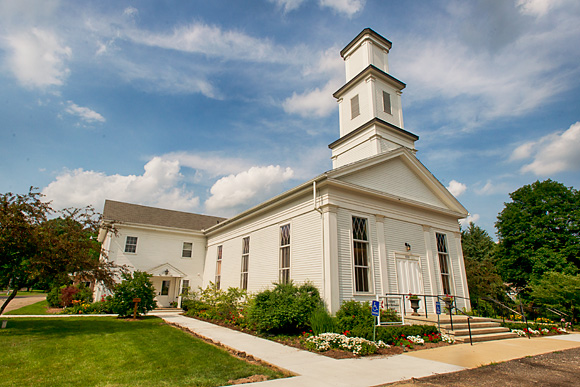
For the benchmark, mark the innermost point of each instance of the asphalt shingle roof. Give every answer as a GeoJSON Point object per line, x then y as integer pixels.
{"type": "Point", "coordinates": [135, 213]}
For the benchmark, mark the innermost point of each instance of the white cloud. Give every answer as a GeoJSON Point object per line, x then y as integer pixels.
{"type": "Point", "coordinates": [556, 152]}
{"type": "Point", "coordinates": [234, 192]}
{"type": "Point", "coordinates": [38, 58]}
{"type": "Point", "coordinates": [319, 102]}
{"type": "Point", "coordinates": [471, 218]}
{"type": "Point", "coordinates": [130, 11]}
{"type": "Point", "coordinates": [485, 61]}
{"type": "Point", "coordinates": [313, 103]}
{"type": "Point", "coordinates": [348, 7]}
{"type": "Point", "coordinates": [456, 188]}
{"type": "Point", "coordinates": [159, 185]}
{"type": "Point", "coordinates": [288, 5]}
{"type": "Point", "coordinates": [213, 41]}
{"type": "Point", "coordinates": [84, 113]}
{"type": "Point", "coordinates": [213, 164]}
{"type": "Point", "coordinates": [536, 7]}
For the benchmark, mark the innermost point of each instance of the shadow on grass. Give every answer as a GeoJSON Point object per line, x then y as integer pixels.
{"type": "Point", "coordinates": [70, 326]}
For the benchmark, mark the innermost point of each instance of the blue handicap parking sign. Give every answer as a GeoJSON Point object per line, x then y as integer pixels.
{"type": "Point", "coordinates": [438, 307]}
{"type": "Point", "coordinates": [375, 308]}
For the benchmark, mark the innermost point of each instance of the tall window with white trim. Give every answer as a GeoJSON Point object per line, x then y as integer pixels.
{"type": "Point", "coordinates": [444, 263]}
{"type": "Point", "coordinates": [218, 267]}
{"type": "Point", "coordinates": [284, 277]}
{"type": "Point", "coordinates": [245, 263]}
{"type": "Point", "coordinates": [360, 241]}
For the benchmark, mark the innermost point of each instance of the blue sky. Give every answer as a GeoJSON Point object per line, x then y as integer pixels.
{"type": "Point", "coordinates": [215, 106]}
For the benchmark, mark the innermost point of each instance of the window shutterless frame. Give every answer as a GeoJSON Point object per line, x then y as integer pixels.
{"type": "Point", "coordinates": [245, 263]}
{"type": "Point", "coordinates": [444, 263]}
{"type": "Point", "coordinates": [131, 244]}
{"type": "Point", "coordinates": [218, 267]}
{"type": "Point", "coordinates": [187, 250]}
{"type": "Point", "coordinates": [361, 255]}
{"type": "Point", "coordinates": [284, 265]}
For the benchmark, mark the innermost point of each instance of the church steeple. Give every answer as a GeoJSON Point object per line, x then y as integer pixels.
{"type": "Point", "coordinates": [370, 112]}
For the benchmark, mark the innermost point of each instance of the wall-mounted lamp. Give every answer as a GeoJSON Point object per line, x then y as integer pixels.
{"type": "Point", "coordinates": [407, 246]}
{"type": "Point", "coordinates": [166, 271]}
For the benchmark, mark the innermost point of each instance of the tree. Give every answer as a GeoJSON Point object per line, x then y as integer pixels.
{"type": "Point", "coordinates": [539, 231]}
{"type": "Point", "coordinates": [558, 290]}
{"type": "Point", "coordinates": [34, 248]}
{"type": "Point", "coordinates": [482, 276]}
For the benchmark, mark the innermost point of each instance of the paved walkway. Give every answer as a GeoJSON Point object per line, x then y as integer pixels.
{"type": "Point", "coordinates": [20, 301]}
{"type": "Point", "coordinates": [316, 370]}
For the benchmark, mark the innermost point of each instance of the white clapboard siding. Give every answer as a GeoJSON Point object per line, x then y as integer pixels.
{"type": "Point", "coordinates": [306, 260]}
{"type": "Point", "coordinates": [394, 177]}
{"type": "Point", "coordinates": [156, 247]}
{"type": "Point", "coordinates": [397, 233]}
{"type": "Point", "coordinates": [345, 258]}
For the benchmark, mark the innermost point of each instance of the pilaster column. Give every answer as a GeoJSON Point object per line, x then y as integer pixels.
{"type": "Point", "coordinates": [384, 284]}
{"type": "Point", "coordinates": [331, 292]}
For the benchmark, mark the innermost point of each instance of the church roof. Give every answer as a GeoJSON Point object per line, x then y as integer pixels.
{"type": "Point", "coordinates": [115, 211]}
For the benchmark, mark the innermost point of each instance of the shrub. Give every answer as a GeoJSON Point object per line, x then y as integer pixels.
{"type": "Point", "coordinates": [137, 285]}
{"type": "Point", "coordinates": [53, 297]}
{"type": "Point", "coordinates": [66, 295]}
{"type": "Point", "coordinates": [321, 321]}
{"type": "Point", "coordinates": [353, 314]}
{"type": "Point", "coordinates": [216, 304]}
{"type": "Point", "coordinates": [285, 309]}
{"type": "Point", "coordinates": [105, 306]}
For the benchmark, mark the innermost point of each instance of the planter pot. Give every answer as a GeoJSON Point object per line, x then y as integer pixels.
{"type": "Point", "coordinates": [448, 303]}
{"type": "Point", "coordinates": [415, 306]}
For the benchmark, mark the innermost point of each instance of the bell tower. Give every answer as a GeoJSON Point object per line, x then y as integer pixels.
{"type": "Point", "coordinates": [369, 104]}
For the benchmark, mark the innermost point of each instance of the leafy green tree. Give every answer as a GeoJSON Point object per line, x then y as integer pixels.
{"type": "Point", "coordinates": [56, 251]}
{"type": "Point", "coordinates": [539, 231]}
{"type": "Point", "coordinates": [136, 285]}
{"type": "Point", "coordinates": [558, 290]}
{"type": "Point", "coordinates": [482, 276]}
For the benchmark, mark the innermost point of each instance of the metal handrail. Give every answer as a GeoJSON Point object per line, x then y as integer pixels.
{"type": "Point", "coordinates": [510, 309]}
{"type": "Point", "coordinates": [441, 298]}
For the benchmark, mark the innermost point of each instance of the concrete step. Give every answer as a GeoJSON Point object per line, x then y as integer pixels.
{"type": "Point", "coordinates": [486, 337]}
{"type": "Point", "coordinates": [474, 325]}
{"type": "Point", "coordinates": [480, 331]}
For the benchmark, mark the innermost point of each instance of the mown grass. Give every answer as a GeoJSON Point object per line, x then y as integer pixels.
{"type": "Point", "coordinates": [37, 308]}
{"type": "Point", "coordinates": [4, 293]}
{"type": "Point", "coordinates": [105, 351]}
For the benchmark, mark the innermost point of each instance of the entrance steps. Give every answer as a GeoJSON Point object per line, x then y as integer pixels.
{"type": "Point", "coordinates": [482, 329]}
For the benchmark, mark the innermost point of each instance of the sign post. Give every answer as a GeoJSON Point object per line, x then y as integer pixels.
{"type": "Point", "coordinates": [375, 311]}
{"type": "Point", "coordinates": [438, 311]}
{"type": "Point", "coordinates": [136, 301]}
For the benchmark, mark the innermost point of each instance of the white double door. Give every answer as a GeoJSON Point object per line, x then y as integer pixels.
{"type": "Point", "coordinates": [410, 280]}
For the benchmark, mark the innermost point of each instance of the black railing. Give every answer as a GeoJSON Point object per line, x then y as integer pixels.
{"type": "Point", "coordinates": [448, 300]}
{"type": "Point", "coordinates": [505, 307]}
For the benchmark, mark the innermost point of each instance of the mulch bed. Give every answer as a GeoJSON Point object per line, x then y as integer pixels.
{"type": "Point", "coordinates": [294, 341]}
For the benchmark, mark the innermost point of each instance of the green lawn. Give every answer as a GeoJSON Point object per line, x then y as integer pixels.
{"type": "Point", "coordinates": [25, 293]}
{"type": "Point", "coordinates": [37, 308]}
{"type": "Point", "coordinates": [105, 351]}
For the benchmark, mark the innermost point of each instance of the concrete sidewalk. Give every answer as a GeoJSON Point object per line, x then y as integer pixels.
{"type": "Point", "coordinates": [316, 370]}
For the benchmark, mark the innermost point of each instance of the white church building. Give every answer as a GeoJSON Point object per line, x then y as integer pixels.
{"type": "Point", "coordinates": [379, 222]}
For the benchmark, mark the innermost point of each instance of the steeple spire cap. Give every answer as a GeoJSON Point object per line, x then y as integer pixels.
{"type": "Point", "coordinates": [366, 34]}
